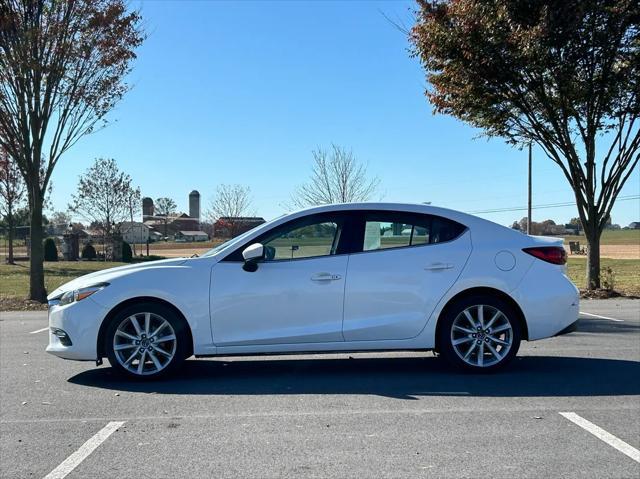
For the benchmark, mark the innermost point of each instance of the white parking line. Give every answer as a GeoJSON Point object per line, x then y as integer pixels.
{"type": "Point", "coordinates": [603, 435]}
{"type": "Point", "coordinates": [601, 317]}
{"type": "Point", "coordinates": [40, 330]}
{"type": "Point", "coordinates": [70, 463]}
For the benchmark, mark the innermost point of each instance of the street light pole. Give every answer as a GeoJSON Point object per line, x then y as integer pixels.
{"type": "Point", "coordinates": [529, 196]}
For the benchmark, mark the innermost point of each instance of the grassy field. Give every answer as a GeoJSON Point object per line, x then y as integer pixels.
{"type": "Point", "coordinates": [610, 237]}
{"type": "Point", "coordinates": [626, 273]}
{"type": "Point", "coordinates": [14, 279]}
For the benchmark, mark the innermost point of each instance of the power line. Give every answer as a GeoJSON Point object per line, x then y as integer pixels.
{"type": "Point", "coordinates": [545, 206]}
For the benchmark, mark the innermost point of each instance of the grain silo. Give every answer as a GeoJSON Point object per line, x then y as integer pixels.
{"type": "Point", "coordinates": [194, 205]}
{"type": "Point", "coordinates": [147, 208]}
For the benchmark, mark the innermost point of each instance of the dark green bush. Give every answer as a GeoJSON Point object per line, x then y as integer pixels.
{"type": "Point", "coordinates": [127, 254]}
{"type": "Point", "coordinates": [50, 250]}
{"type": "Point", "coordinates": [89, 252]}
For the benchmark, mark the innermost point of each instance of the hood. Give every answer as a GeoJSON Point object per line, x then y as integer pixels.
{"type": "Point", "coordinates": [105, 275]}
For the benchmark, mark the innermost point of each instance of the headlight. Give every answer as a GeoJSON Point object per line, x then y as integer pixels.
{"type": "Point", "coordinates": [80, 294]}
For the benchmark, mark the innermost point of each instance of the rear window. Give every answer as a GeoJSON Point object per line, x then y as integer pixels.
{"type": "Point", "coordinates": [387, 229]}
{"type": "Point", "coordinates": [443, 230]}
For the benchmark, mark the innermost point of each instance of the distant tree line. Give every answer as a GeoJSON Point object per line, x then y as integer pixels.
{"type": "Point", "coordinates": [549, 227]}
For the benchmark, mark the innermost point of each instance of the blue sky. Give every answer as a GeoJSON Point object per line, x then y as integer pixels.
{"type": "Point", "coordinates": [242, 92]}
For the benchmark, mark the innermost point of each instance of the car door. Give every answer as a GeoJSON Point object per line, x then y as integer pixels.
{"type": "Point", "coordinates": [406, 264]}
{"type": "Point", "coordinates": [295, 295]}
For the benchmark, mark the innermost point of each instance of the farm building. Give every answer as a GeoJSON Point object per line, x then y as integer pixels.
{"type": "Point", "coordinates": [191, 236]}
{"type": "Point", "coordinates": [135, 232]}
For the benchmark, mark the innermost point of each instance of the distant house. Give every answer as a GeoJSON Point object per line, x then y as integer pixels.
{"type": "Point", "coordinates": [91, 235]}
{"type": "Point", "coordinates": [230, 226]}
{"type": "Point", "coordinates": [135, 232]}
{"type": "Point", "coordinates": [154, 235]}
{"type": "Point", "coordinates": [191, 236]}
{"type": "Point", "coordinates": [572, 229]}
{"type": "Point", "coordinates": [559, 230]}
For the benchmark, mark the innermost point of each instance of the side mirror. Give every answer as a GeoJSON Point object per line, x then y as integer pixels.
{"type": "Point", "coordinates": [252, 254]}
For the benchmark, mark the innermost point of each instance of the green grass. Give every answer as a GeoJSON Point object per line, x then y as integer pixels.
{"type": "Point", "coordinates": [14, 279]}
{"type": "Point", "coordinates": [610, 237]}
{"type": "Point", "coordinates": [626, 273]}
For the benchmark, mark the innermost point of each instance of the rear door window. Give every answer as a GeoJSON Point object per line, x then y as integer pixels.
{"type": "Point", "coordinates": [387, 229]}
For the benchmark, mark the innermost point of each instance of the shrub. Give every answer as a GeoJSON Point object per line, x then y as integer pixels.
{"type": "Point", "coordinates": [127, 254]}
{"type": "Point", "coordinates": [88, 252]}
{"type": "Point", "coordinates": [50, 250]}
{"type": "Point", "coordinates": [608, 278]}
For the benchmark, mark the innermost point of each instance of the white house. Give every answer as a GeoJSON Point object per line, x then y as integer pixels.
{"type": "Point", "coordinates": [134, 232]}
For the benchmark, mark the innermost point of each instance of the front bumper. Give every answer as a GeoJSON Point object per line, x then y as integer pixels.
{"type": "Point", "coordinates": [81, 322]}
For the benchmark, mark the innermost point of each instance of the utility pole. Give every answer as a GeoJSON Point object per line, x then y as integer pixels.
{"type": "Point", "coordinates": [529, 196]}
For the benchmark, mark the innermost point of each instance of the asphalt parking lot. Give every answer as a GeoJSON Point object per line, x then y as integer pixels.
{"type": "Point", "coordinates": [344, 415]}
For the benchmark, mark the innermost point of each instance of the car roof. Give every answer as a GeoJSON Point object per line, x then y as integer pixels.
{"type": "Point", "coordinates": [459, 216]}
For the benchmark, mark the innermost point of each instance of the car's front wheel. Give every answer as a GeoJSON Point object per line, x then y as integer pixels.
{"type": "Point", "coordinates": [479, 333]}
{"type": "Point", "coordinates": [146, 340]}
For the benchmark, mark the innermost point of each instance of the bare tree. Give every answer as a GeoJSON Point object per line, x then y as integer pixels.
{"type": "Point", "coordinates": [62, 65]}
{"type": "Point", "coordinates": [230, 203]}
{"type": "Point", "coordinates": [12, 194]}
{"type": "Point", "coordinates": [336, 177]}
{"type": "Point", "coordinates": [165, 207]}
{"type": "Point", "coordinates": [104, 195]}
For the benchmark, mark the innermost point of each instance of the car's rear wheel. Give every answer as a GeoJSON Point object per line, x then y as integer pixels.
{"type": "Point", "coordinates": [146, 340]}
{"type": "Point", "coordinates": [479, 333]}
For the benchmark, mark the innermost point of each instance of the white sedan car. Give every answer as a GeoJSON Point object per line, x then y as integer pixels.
{"type": "Point", "coordinates": [350, 277]}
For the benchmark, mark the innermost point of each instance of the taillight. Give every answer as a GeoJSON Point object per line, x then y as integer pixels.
{"type": "Point", "coordinates": [550, 254]}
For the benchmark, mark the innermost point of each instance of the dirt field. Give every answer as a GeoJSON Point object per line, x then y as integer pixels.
{"type": "Point", "coordinates": [177, 252]}
{"type": "Point", "coordinates": [614, 251]}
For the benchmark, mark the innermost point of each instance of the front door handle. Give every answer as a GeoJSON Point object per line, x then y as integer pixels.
{"type": "Point", "coordinates": [325, 277]}
{"type": "Point", "coordinates": [438, 266]}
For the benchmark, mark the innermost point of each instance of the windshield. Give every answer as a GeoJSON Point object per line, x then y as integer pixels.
{"type": "Point", "coordinates": [233, 241]}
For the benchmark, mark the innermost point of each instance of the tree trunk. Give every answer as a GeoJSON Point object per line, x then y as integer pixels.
{"type": "Point", "coordinates": [37, 291]}
{"type": "Point", "coordinates": [10, 238]}
{"type": "Point", "coordinates": [593, 257]}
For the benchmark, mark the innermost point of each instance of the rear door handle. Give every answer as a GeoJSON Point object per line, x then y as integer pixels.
{"type": "Point", "coordinates": [325, 277]}
{"type": "Point", "coordinates": [438, 266]}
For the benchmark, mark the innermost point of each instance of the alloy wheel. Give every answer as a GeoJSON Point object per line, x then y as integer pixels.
{"type": "Point", "coordinates": [481, 335]}
{"type": "Point", "coordinates": [144, 343]}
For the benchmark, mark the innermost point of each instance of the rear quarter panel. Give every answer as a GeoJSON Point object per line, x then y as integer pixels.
{"type": "Point", "coordinates": [491, 244]}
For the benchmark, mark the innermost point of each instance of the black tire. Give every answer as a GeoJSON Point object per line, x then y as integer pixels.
{"type": "Point", "coordinates": [177, 327]}
{"type": "Point", "coordinates": [478, 341]}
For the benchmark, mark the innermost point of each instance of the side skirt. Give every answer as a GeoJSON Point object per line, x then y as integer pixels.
{"type": "Point", "coordinates": [298, 353]}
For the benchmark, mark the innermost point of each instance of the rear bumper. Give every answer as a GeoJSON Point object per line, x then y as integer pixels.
{"type": "Point", "coordinates": [569, 329]}
{"type": "Point", "coordinates": [550, 302]}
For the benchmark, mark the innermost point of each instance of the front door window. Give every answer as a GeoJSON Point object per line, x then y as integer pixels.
{"type": "Point", "coordinates": [308, 241]}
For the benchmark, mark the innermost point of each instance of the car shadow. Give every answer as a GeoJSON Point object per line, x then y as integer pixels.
{"type": "Point", "coordinates": [398, 377]}
{"type": "Point", "coordinates": [596, 325]}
